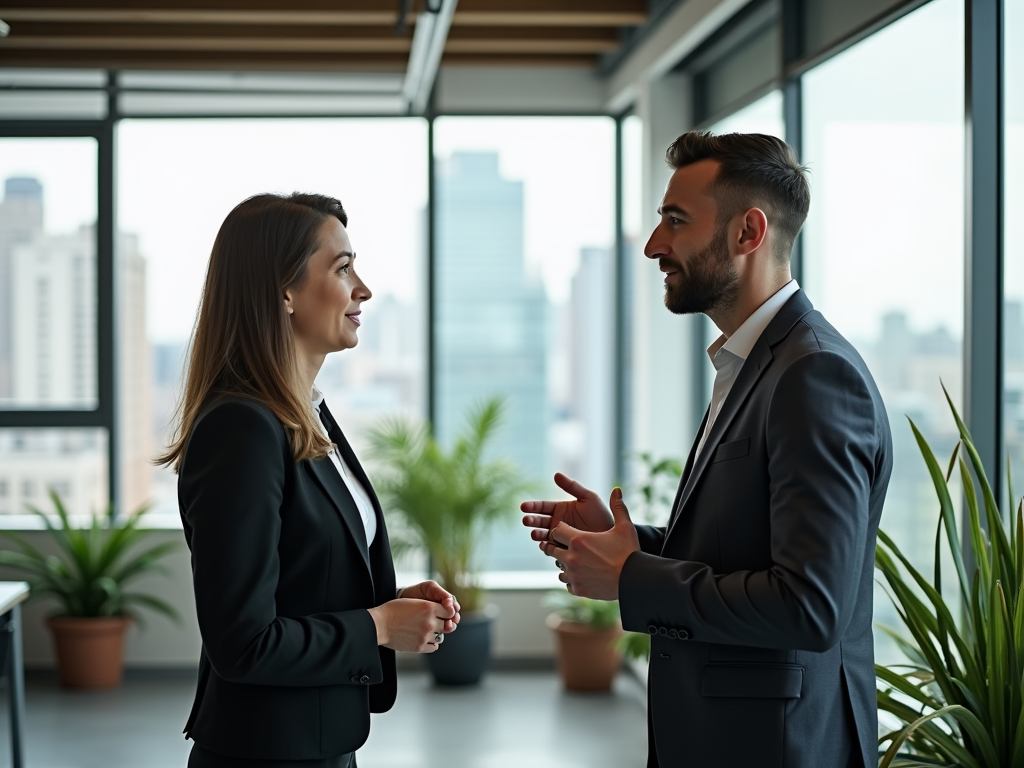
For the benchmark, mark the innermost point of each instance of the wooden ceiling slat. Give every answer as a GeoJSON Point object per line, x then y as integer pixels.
{"type": "Point", "coordinates": [260, 44]}
{"type": "Point", "coordinates": [269, 62]}
{"type": "Point", "coordinates": [300, 45]}
{"type": "Point", "coordinates": [144, 32]}
{"type": "Point", "coordinates": [557, 13]}
{"type": "Point", "coordinates": [196, 16]}
{"type": "Point", "coordinates": [206, 60]}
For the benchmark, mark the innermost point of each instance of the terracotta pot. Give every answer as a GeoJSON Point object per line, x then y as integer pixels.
{"type": "Point", "coordinates": [586, 657]}
{"type": "Point", "coordinates": [90, 652]}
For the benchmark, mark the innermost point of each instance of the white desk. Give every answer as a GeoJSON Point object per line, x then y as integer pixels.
{"type": "Point", "coordinates": [12, 595]}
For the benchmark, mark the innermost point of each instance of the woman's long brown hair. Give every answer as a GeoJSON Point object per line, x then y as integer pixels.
{"type": "Point", "coordinates": [242, 341]}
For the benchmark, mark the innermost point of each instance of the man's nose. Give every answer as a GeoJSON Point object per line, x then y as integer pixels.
{"type": "Point", "coordinates": [655, 248]}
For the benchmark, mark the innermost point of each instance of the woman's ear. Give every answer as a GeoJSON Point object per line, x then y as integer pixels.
{"type": "Point", "coordinates": [288, 302]}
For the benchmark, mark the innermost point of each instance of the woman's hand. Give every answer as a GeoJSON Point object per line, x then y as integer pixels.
{"type": "Point", "coordinates": [411, 625]}
{"type": "Point", "coordinates": [435, 593]}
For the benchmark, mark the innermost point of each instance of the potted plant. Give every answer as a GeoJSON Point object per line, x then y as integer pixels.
{"type": "Point", "coordinates": [89, 579]}
{"type": "Point", "coordinates": [445, 502]}
{"type": "Point", "coordinates": [586, 640]}
{"type": "Point", "coordinates": [960, 700]}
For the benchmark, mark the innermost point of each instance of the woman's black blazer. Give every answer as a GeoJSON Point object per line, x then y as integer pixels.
{"type": "Point", "coordinates": [290, 666]}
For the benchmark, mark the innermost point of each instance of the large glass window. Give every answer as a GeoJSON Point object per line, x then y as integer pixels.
{"type": "Point", "coordinates": [525, 300]}
{"type": "Point", "coordinates": [35, 462]}
{"type": "Point", "coordinates": [178, 179]}
{"type": "Point", "coordinates": [1013, 243]}
{"type": "Point", "coordinates": [48, 273]}
{"type": "Point", "coordinates": [883, 246]}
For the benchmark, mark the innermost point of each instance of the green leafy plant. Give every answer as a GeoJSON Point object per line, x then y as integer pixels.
{"type": "Point", "coordinates": [656, 485]}
{"type": "Point", "coordinates": [599, 614]}
{"type": "Point", "coordinates": [445, 502]}
{"type": "Point", "coordinates": [960, 699]}
{"type": "Point", "coordinates": [91, 575]}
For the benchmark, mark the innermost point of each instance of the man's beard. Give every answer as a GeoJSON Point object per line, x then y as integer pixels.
{"type": "Point", "coordinates": [707, 282]}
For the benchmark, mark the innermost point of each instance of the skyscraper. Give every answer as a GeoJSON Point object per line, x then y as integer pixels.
{"type": "Point", "coordinates": [21, 220]}
{"type": "Point", "coordinates": [492, 323]}
{"type": "Point", "coordinates": [48, 359]}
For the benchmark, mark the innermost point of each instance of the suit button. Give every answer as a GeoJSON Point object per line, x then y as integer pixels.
{"type": "Point", "coordinates": [684, 634]}
{"type": "Point", "coordinates": [673, 634]}
{"type": "Point", "coordinates": [652, 629]}
{"type": "Point", "coordinates": [354, 678]}
{"type": "Point", "coordinates": [663, 631]}
{"type": "Point", "coordinates": [364, 679]}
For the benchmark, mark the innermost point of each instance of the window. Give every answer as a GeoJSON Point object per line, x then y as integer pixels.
{"type": "Point", "coordinates": [178, 179]}
{"type": "Point", "coordinates": [1013, 244]}
{"type": "Point", "coordinates": [883, 246]}
{"type": "Point", "coordinates": [525, 296]}
{"type": "Point", "coordinates": [71, 462]}
{"type": "Point", "coordinates": [48, 273]}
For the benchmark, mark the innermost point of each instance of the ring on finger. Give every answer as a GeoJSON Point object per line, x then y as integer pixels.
{"type": "Point", "coordinates": [437, 637]}
{"type": "Point", "coordinates": [560, 564]}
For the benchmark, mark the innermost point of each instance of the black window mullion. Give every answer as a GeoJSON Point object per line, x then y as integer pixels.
{"type": "Point", "coordinates": [983, 300]}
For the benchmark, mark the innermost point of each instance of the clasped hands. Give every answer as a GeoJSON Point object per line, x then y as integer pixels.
{"type": "Point", "coordinates": [417, 620]}
{"type": "Point", "coordinates": [589, 542]}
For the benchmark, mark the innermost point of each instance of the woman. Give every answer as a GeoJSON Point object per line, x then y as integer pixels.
{"type": "Point", "coordinates": [294, 583]}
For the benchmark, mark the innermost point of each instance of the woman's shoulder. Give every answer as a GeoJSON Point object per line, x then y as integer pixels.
{"type": "Point", "coordinates": [237, 421]}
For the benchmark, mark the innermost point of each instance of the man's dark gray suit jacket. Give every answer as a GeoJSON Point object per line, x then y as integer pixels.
{"type": "Point", "coordinates": [758, 594]}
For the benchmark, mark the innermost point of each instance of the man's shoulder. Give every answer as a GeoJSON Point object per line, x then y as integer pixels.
{"type": "Point", "coordinates": [811, 334]}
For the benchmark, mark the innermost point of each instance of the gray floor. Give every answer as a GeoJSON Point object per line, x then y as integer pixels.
{"type": "Point", "coordinates": [512, 719]}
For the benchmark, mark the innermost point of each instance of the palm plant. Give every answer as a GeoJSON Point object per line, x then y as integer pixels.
{"type": "Point", "coordinates": [90, 576]}
{"type": "Point", "coordinates": [446, 501]}
{"type": "Point", "coordinates": [960, 700]}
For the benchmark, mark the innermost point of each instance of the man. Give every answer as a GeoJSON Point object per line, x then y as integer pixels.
{"type": "Point", "coordinates": [757, 595]}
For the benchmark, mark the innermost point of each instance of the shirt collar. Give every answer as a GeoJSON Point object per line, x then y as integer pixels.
{"type": "Point", "coordinates": [316, 397]}
{"type": "Point", "coordinates": [746, 336]}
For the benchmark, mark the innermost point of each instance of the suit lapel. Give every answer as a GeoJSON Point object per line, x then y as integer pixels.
{"type": "Point", "coordinates": [757, 362]}
{"type": "Point", "coordinates": [326, 474]}
{"type": "Point", "coordinates": [381, 545]}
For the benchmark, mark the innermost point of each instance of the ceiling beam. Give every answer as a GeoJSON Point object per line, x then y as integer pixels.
{"type": "Point", "coordinates": [197, 16]}
{"type": "Point", "coordinates": [252, 44]}
{"type": "Point", "coordinates": [556, 13]}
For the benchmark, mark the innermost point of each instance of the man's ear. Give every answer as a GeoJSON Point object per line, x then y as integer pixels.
{"type": "Point", "coordinates": [754, 230]}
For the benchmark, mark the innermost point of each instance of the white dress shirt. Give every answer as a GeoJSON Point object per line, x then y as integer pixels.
{"type": "Point", "coordinates": [729, 354]}
{"type": "Point", "coordinates": [359, 494]}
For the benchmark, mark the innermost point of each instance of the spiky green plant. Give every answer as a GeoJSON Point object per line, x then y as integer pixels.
{"type": "Point", "coordinates": [446, 501]}
{"type": "Point", "coordinates": [89, 577]}
{"type": "Point", "coordinates": [960, 699]}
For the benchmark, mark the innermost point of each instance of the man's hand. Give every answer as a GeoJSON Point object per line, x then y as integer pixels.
{"type": "Point", "coordinates": [592, 562]}
{"type": "Point", "coordinates": [435, 593]}
{"type": "Point", "coordinates": [585, 513]}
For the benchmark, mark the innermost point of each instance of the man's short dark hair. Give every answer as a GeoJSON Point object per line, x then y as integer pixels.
{"type": "Point", "coordinates": [756, 171]}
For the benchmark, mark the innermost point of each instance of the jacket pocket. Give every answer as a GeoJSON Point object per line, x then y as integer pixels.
{"type": "Point", "coordinates": [753, 681]}
{"type": "Point", "coordinates": [734, 449]}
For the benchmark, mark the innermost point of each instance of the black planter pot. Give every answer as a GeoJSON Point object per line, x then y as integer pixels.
{"type": "Point", "coordinates": [465, 654]}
